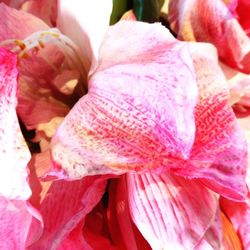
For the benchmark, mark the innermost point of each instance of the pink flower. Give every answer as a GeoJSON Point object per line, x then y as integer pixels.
{"type": "Point", "coordinates": [155, 121]}
{"type": "Point", "coordinates": [225, 24]}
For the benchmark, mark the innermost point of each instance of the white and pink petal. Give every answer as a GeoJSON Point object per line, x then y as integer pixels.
{"type": "Point", "coordinates": [170, 211]}
{"type": "Point", "coordinates": [139, 110]}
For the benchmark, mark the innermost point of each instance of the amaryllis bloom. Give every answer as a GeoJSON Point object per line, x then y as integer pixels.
{"type": "Point", "coordinates": [225, 24]}
{"type": "Point", "coordinates": [142, 115]}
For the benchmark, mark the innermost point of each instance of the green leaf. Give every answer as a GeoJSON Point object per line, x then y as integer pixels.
{"type": "Point", "coordinates": [147, 10]}
{"type": "Point", "coordinates": [119, 8]}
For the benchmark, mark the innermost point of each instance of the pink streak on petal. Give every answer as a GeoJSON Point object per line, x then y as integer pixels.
{"type": "Point", "coordinates": [64, 206]}
{"type": "Point", "coordinates": [171, 212]}
{"type": "Point", "coordinates": [123, 232]}
{"type": "Point", "coordinates": [211, 21]}
{"type": "Point", "coordinates": [239, 214]}
{"type": "Point", "coordinates": [14, 153]}
{"type": "Point", "coordinates": [213, 237]}
{"type": "Point", "coordinates": [219, 154]}
{"type": "Point", "coordinates": [139, 109]}
{"type": "Point", "coordinates": [18, 226]}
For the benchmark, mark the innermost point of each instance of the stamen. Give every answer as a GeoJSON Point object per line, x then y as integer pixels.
{"type": "Point", "coordinates": [39, 39]}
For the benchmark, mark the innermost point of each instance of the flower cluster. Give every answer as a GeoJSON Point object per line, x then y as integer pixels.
{"type": "Point", "coordinates": [130, 136]}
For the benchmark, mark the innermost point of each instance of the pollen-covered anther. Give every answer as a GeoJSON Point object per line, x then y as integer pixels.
{"type": "Point", "coordinates": [21, 44]}
{"type": "Point", "coordinates": [38, 40]}
{"type": "Point", "coordinates": [41, 44]}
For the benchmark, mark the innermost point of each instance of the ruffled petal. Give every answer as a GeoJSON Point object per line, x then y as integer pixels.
{"type": "Point", "coordinates": [171, 212]}
{"type": "Point", "coordinates": [88, 30]}
{"type": "Point", "coordinates": [139, 108]}
{"type": "Point", "coordinates": [211, 21]}
{"type": "Point", "coordinates": [64, 206]}
{"type": "Point", "coordinates": [219, 154]}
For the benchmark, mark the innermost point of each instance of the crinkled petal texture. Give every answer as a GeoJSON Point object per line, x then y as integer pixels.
{"type": "Point", "coordinates": [211, 21]}
{"type": "Point", "coordinates": [171, 212]}
{"type": "Point", "coordinates": [239, 214]}
{"type": "Point", "coordinates": [16, 216]}
{"type": "Point", "coordinates": [219, 153]}
{"type": "Point", "coordinates": [139, 109]}
{"type": "Point", "coordinates": [88, 30]}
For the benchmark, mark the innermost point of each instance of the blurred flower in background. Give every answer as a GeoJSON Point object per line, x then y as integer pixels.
{"type": "Point", "coordinates": [129, 136]}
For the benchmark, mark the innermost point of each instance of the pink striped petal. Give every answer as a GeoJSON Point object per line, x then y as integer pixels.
{"type": "Point", "coordinates": [211, 21]}
{"type": "Point", "coordinates": [139, 107]}
{"type": "Point", "coordinates": [171, 212]}
{"type": "Point", "coordinates": [219, 154]}
{"type": "Point", "coordinates": [239, 214]}
{"type": "Point", "coordinates": [123, 232]}
{"type": "Point", "coordinates": [64, 206]}
{"type": "Point", "coordinates": [213, 237]}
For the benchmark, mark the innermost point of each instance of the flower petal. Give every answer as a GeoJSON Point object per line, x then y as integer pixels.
{"type": "Point", "coordinates": [219, 154]}
{"type": "Point", "coordinates": [243, 7]}
{"type": "Point", "coordinates": [44, 9]}
{"type": "Point", "coordinates": [70, 202]}
{"type": "Point", "coordinates": [19, 24]}
{"type": "Point", "coordinates": [171, 212]}
{"type": "Point", "coordinates": [14, 153]}
{"type": "Point", "coordinates": [213, 237]}
{"type": "Point", "coordinates": [138, 111]}
{"type": "Point", "coordinates": [123, 232]}
{"type": "Point", "coordinates": [18, 227]}
{"type": "Point", "coordinates": [88, 30]}
{"type": "Point", "coordinates": [39, 73]}
{"type": "Point", "coordinates": [239, 214]}
{"type": "Point", "coordinates": [211, 21]}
